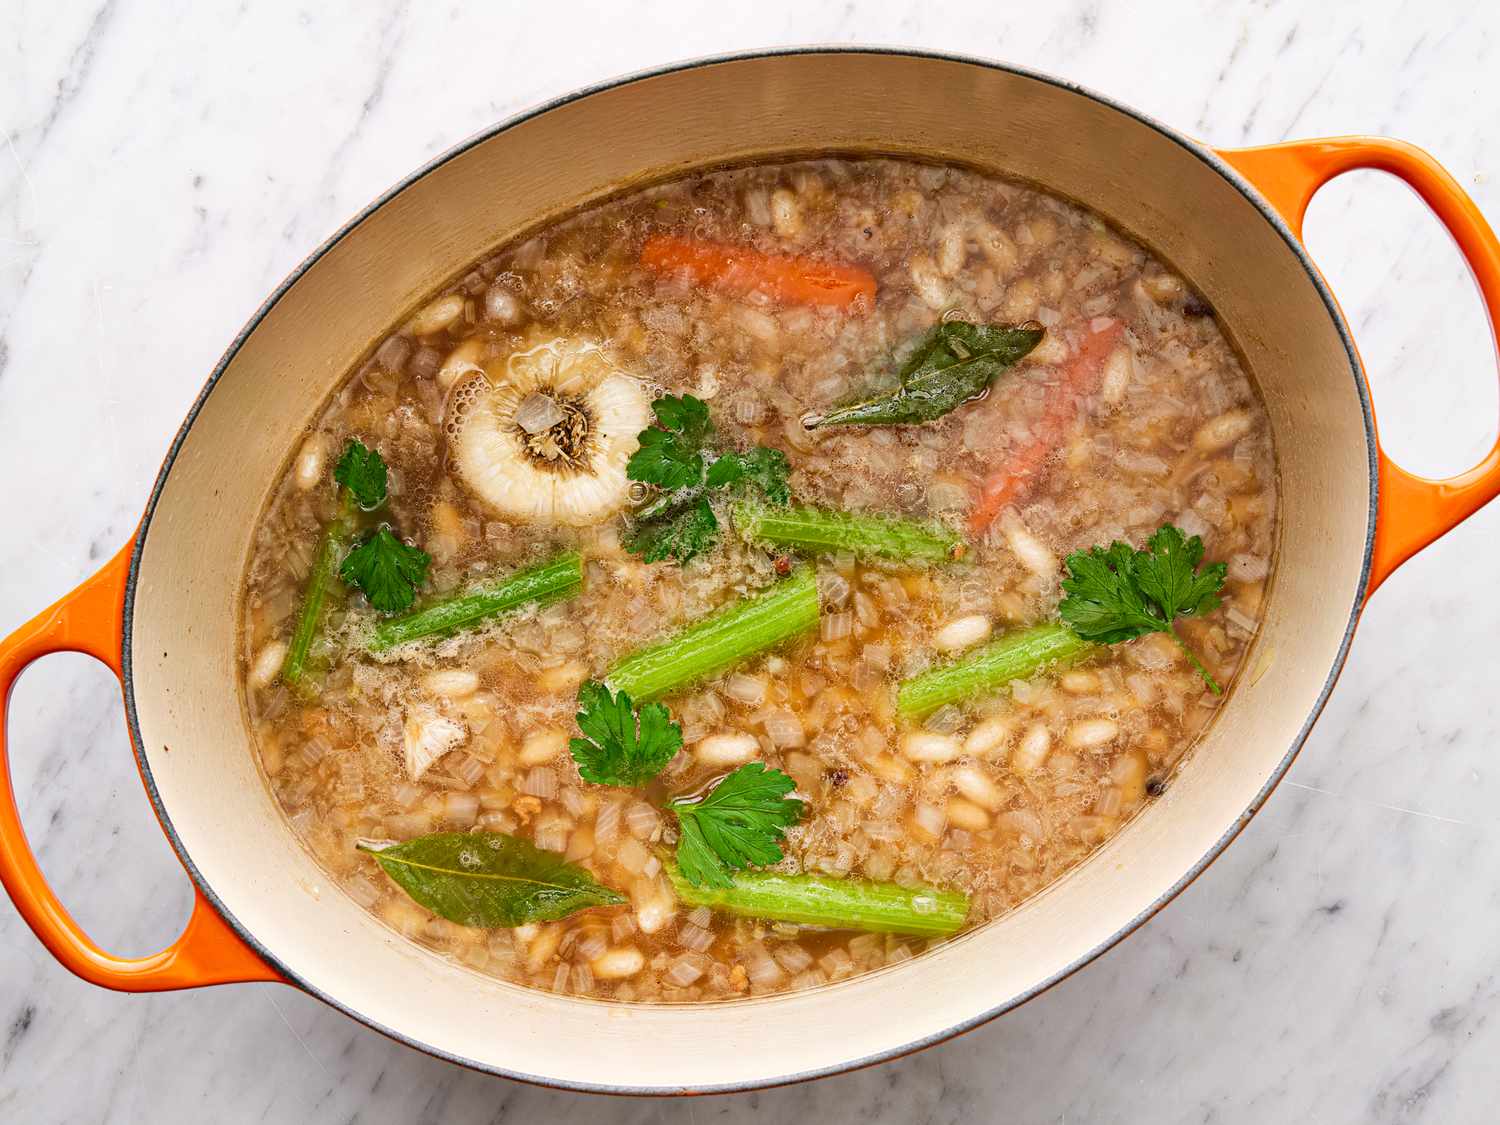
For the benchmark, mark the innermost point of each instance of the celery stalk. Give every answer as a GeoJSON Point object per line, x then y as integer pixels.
{"type": "Point", "coordinates": [324, 574]}
{"type": "Point", "coordinates": [836, 904]}
{"type": "Point", "coordinates": [720, 640]}
{"type": "Point", "coordinates": [823, 531]}
{"type": "Point", "coordinates": [1015, 656]}
{"type": "Point", "coordinates": [561, 577]}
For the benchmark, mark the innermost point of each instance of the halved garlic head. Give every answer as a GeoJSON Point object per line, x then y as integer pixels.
{"type": "Point", "coordinates": [547, 441]}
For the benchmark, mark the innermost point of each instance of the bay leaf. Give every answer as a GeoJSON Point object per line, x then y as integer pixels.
{"type": "Point", "coordinates": [953, 363]}
{"type": "Point", "coordinates": [489, 879]}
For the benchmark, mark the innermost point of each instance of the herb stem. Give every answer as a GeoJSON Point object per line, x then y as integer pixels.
{"type": "Point", "coordinates": [558, 578]}
{"type": "Point", "coordinates": [839, 904]}
{"type": "Point", "coordinates": [822, 531]}
{"type": "Point", "coordinates": [1213, 684]}
{"type": "Point", "coordinates": [324, 574]}
{"type": "Point", "coordinates": [669, 502]}
{"type": "Point", "coordinates": [744, 628]}
{"type": "Point", "coordinates": [1015, 656]}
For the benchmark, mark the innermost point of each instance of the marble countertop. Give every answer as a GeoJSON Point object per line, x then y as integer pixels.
{"type": "Point", "coordinates": [164, 165]}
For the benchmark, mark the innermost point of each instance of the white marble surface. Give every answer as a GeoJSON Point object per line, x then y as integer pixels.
{"type": "Point", "coordinates": [164, 164]}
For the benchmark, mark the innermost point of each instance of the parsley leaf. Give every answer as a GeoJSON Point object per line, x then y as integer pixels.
{"type": "Point", "coordinates": [362, 471]}
{"type": "Point", "coordinates": [682, 536]}
{"type": "Point", "coordinates": [1166, 572]}
{"type": "Point", "coordinates": [1115, 593]}
{"type": "Point", "coordinates": [684, 414]}
{"type": "Point", "coordinates": [386, 570]}
{"type": "Point", "coordinates": [671, 453]}
{"type": "Point", "coordinates": [739, 824]}
{"type": "Point", "coordinates": [622, 744]}
{"type": "Point", "coordinates": [674, 455]}
{"type": "Point", "coordinates": [765, 468]}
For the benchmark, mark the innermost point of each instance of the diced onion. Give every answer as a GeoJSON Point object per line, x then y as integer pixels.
{"type": "Point", "coordinates": [540, 781]}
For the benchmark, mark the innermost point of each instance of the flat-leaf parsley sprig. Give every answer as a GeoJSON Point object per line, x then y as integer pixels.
{"type": "Point", "coordinates": [739, 823]}
{"type": "Point", "coordinates": [678, 458]}
{"type": "Point", "coordinates": [1115, 593]}
{"type": "Point", "coordinates": [622, 744]}
{"type": "Point", "coordinates": [383, 568]}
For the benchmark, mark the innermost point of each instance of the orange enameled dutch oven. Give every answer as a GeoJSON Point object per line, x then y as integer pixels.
{"type": "Point", "coordinates": [163, 613]}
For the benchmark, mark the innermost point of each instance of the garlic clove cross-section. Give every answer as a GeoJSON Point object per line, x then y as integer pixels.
{"type": "Point", "coordinates": [428, 735]}
{"type": "Point", "coordinates": [548, 439]}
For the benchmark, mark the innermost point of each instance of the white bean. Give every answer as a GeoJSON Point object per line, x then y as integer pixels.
{"type": "Point", "coordinates": [967, 815]}
{"type": "Point", "coordinates": [962, 632]}
{"type": "Point", "coordinates": [617, 964]}
{"type": "Point", "coordinates": [540, 747]}
{"type": "Point", "coordinates": [653, 914]}
{"type": "Point", "coordinates": [929, 284]}
{"type": "Point", "coordinates": [732, 749]}
{"type": "Point", "coordinates": [1079, 681]}
{"type": "Point", "coordinates": [786, 215]}
{"type": "Point", "coordinates": [1051, 350]}
{"type": "Point", "coordinates": [1029, 549]}
{"type": "Point", "coordinates": [997, 248]}
{"type": "Point", "coordinates": [1119, 369]}
{"type": "Point", "coordinates": [438, 315]}
{"type": "Point", "coordinates": [1032, 751]}
{"type": "Point", "coordinates": [929, 746]}
{"type": "Point", "coordinates": [1090, 734]}
{"type": "Point", "coordinates": [461, 360]}
{"type": "Point", "coordinates": [952, 250]}
{"type": "Point", "coordinates": [977, 787]}
{"type": "Point", "coordinates": [310, 460]}
{"type": "Point", "coordinates": [988, 736]}
{"type": "Point", "coordinates": [267, 664]}
{"type": "Point", "coordinates": [1223, 431]}
{"type": "Point", "coordinates": [452, 683]}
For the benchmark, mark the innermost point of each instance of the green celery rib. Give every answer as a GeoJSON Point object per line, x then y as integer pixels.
{"type": "Point", "coordinates": [557, 578]}
{"type": "Point", "coordinates": [836, 904]}
{"type": "Point", "coordinates": [1015, 656]}
{"type": "Point", "coordinates": [324, 574]}
{"type": "Point", "coordinates": [822, 531]}
{"type": "Point", "coordinates": [720, 640]}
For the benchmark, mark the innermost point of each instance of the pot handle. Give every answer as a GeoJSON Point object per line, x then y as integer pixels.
{"type": "Point", "coordinates": [1413, 511]}
{"type": "Point", "coordinates": [90, 620]}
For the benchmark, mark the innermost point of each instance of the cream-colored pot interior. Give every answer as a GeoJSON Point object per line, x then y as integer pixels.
{"type": "Point", "coordinates": [182, 621]}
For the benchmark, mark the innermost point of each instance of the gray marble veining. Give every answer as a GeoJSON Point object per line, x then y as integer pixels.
{"type": "Point", "coordinates": [162, 166]}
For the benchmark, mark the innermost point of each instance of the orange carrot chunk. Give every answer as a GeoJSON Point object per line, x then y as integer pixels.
{"type": "Point", "coordinates": [738, 270]}
{"type": "Point", "coordinates": [1079, 379]}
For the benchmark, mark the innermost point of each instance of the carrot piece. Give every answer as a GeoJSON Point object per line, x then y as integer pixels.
{"type": "Point", "coordinates": [1080, 378]}
{"type": "Point", "coordinates": [739, 270]}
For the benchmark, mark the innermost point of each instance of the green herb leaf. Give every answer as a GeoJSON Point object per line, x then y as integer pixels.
{"type": "Point", "coordinates": [685, 415]}
{"type": "Point", "coordinates": [954, 362]}
{"type": "Point", "coordinates": [623, 744]}
{"type": "Point", "coordinates": [386, 570]}
{"type": "Point", "coordinates": [765, 468]}
{"type": "Point", "coordinates": [1166, 572]}
{"type": "Point", "coordinates": [1115, 593]}
{"type": "Point", "coordinates": [489, 879]}
{"type": "Point", "coordinates": [362, 471]}
{"type": "Point", "coordinates": [682, 536]}
{"type": "Point", "coordinates": [671, 453]}
{"type": "Point", "coordinates": [739, 824]}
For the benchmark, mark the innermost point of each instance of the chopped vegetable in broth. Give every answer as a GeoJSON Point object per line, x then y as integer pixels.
{"type": "Point", "coordinates": [757, 579]}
